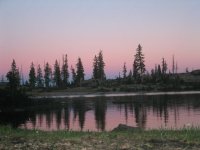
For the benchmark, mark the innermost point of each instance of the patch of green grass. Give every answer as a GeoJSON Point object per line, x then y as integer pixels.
{"type": "Point", "coordinates": [190, 136]}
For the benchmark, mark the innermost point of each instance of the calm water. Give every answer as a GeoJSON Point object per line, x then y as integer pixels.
{"type": "Point", "coordinates": [105, 113]}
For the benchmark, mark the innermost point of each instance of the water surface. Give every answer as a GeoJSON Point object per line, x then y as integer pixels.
{"type": "Point", "coordinates": [147, 111]}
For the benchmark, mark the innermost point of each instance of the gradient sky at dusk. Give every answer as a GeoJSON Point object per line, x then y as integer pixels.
{"type": "Point", "coordinates": [44, 30]}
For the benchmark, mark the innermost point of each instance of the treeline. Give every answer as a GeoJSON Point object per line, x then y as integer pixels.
{"type": "Point", "coordinates": [58, 76]}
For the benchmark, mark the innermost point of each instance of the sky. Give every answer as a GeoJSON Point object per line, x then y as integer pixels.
{"type": "Point", "coordinates": [41, 31]}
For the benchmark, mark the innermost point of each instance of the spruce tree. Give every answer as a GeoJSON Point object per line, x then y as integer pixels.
{"type": "Point", "coordinates": [39, 77]}
{"type": "Point", "coordinates": [32, 76]}
{"type": "Point", "coordinates": [139, 66]}
{"type": "Point", "coordinates": [47, 75]}
{"type": "Point", "coordinates": [79, 71]}
{"type": "Point", "coordinates": [73, 75]}
{"type": "Point", "coordinates": [173, 65]}
{"type": "Point", "coordinates": [101, 65]}
{"type": "Point", "coordinates": [13, 77]}
{"type": "Point", "coordinates": [95, 68]}
{"type": "Point", "coordinates": [164, 67]}
{"type": "Point", "coordinates": [139, 60]}
{"type": "Point", "coordinates": [65, 72]}
{"type": "Point", "coordinates": [57, 74]}
{"type": "Point", "coordinates": [159, 71]}
{"type": "Point", "coordinates": [124, 71]}
{"type": "Point", "coordinates": [129, 77]}
{"type": "Point", "coordinates": [135, 71]}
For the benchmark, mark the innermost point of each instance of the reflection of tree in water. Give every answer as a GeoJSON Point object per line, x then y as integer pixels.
{"type": "Point", "coordinates": [100, 113]}
{"type": "Point", "coordinates": [48, 119]}
{"type": "Point", "coordinates": [160, 106]}
{"type": "Point", "coordinates": [67, 116]}
{"type": "Point", "coordinates": [140, 113]}
{"type": "Point", "coordinates": [80, 109]}
{"type": "Point", "coordinates": [15, 118]}
{"type": "Point", "coordinates": [57, 116]}
{"type": "Point", "coordinates": [53, 117]}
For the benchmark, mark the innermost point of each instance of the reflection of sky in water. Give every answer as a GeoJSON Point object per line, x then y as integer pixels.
{"type": "Point", "coordinates": [106, 113]}
{"type": "Point", "coordinates": [117, 94]}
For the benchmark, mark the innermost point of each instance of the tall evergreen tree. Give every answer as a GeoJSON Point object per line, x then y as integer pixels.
{"type": "Point", "coordinates": [129, 78]}
{"type": "Point", "coordinates": [124, 71]}
{"type": "Point", "coordinates": [135, 71]}
{"type": "Point", "coordinates": [13, 77]}
{"type": "Point", "coordinates": [164, 67]}
{"type": "Point", "coordinates": [101, 65]}
{"type": "Point", "coordinates": [65, 72]}
{"type": "Point", "coordinates": [139, 61]}
{"type": "Point", "coordinates": [39, 77]}
{"type": "Point", "coordinates": [47, 75]}
{"type": "Point", "coordinates": [95, 68]}
{"type": "Point", "coordinates": [79, 71]}
{"type": "Point", "coordinates": [173, 65]}
{"type": "Point", "coordinates": [32, 76]}
{"type": "Point", "coordinates": [159, 71]}
{"type": "Point", "coordinates": [57, 74]}
{"type": "Point", "coordinates": [73, 75]}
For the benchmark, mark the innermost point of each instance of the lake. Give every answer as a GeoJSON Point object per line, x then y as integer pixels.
{"type": "Point", "coordinates": [104, 113]}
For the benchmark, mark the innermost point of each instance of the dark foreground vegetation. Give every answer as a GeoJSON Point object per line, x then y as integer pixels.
{"type": "Point", "coordinates": [132, 139]}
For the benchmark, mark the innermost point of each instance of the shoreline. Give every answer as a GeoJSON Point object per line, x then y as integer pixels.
{"type": "Point", "coordinates": [122, 140]}
{"type": "Point", "coordinates": [106, 94]}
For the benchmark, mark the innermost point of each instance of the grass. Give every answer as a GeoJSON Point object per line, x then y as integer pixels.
{"type": "Point", "coordinates": [137, 139]}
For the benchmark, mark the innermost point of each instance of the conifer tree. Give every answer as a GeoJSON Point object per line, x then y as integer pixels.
{"type": "Point", "coordinates": [47, 75]}
{"type": "Point", "coordinates": [139, 61]}
{"type": "Point", "coordinates": [164, 67]}
{"type": "Point", "coordinates": [95, 68]}
{"type": "Point", "coordinates": [101, 65]}
{"type": "Point", "coordinates": [32, 76]}
{"type": "Point", "coordinates": [135, 71]}
{"type": "Point", "coordinates": [65, 72]}
{"type": "Point", "coordinates": [129, 78]}
{"type": "Point", "coordinates": [173, 65]}
{"type": "Point", "coordinates": [159, 71]}
{"type": "Point", "coordinates": [39, 77]}
{"type": "Point", "coordinates": [79, 71]}
{"type": "Point", "coordinates": [57, 74]}
{"type": "Point", "coordinates": [13, 77]}
{"type": "Point", "coordinates": [124, 71]}
{"type": "Point", "coordinates": [73, 75]}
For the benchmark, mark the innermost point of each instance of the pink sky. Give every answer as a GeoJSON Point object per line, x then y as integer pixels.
{"type": "Point", "coordinates": [44, 31]}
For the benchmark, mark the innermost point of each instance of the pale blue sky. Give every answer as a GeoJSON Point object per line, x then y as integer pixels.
{"type": "Point", "coordinates": [38, 30]}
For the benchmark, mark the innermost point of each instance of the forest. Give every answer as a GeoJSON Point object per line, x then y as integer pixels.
{"type": "Point", "coordinates": [136, 79]}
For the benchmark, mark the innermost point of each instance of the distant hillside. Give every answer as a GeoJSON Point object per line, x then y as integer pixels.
{"type": "Point", "coordinates": [191, 77]}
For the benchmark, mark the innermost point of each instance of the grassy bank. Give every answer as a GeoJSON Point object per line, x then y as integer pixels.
{"type": "Point", "coordinates": [136, 139]}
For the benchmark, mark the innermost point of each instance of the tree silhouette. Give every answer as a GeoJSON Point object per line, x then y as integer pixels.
{"type": "Point", "coordinates": [13, 77]}
{"type": "Point", "coordinates": [95, 68]}
{"type": "Point", "coordinates": [101, 65]}
{"type": "Point", "coordinates": [135, 72]}
{"type": "Point", "coordinates": [173, 65]}
{"type": "Point", "coordinates": [39, 77]}
{"type": "Point", "coordinates": [79, 72]}
{"type": "Point", "coordinates": [47, 75]}
{"type": "Point", "coordinates": [124, 71]}
{"type": "Point", "coordinates": [139, 62]}
{"type": "Point", "coordinates": [164, 67]}
{"type": "Point", "coordinates": [57, 74]}
{"type": "Point", "coordinates": [98, 67]}
{"type": "Point", "coordinates": [65, 72]}
{"type": "Point", "coordinates": [32, 76]}
{"type": "Point", "coordinates": [73, 75]}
